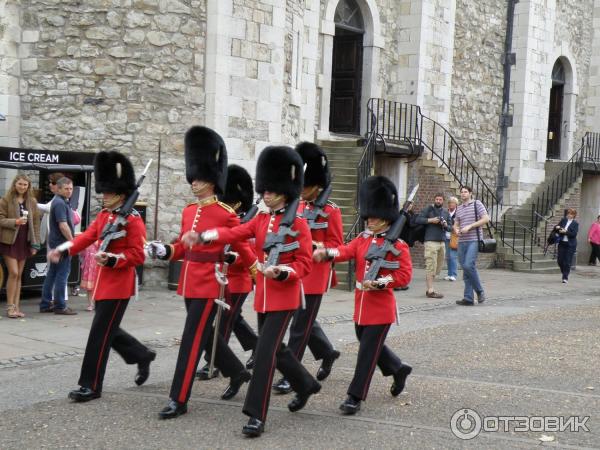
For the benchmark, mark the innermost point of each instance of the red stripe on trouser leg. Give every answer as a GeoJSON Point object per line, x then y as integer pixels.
{"type": "Point", "coordinates": [101, 354]}
{"type": "Point", "coordinates": [307, 332]}
{"type": "Point", "coordinates": [374, 363]}
{"type": "Point", "coordinates": [273, 363]}
{"type": "Point", "coordinates": [193, 356]}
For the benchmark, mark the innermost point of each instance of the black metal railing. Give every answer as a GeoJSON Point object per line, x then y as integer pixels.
{"type": "Point", "coordinates": [540, 208]}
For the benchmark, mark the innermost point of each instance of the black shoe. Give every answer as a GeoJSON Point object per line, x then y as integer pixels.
{"type": "Point", "coordinates": [250, 362]}
{"type": "Point", "coordinates": [84, 394]}
{"type": "Point", "coordinates": [254, 427]}
{"type": "Point", "coordinates": [326, 365]}
{"type": "Point", "coordinates": [480, 297]}
{"type": "Point", "coordinates": [464, 302]}
{"type": "Point", "coordinates": [203, 374]}
{"type": "Point", "coordinates": [50, 309]}
{"type": "Point", "coordinates": [235, 384]}
{"type": "Point", "coordinates": [400, 380]}
{"type": "Point", "coordinates": [144, 369]}
{"type": "Point", "coordinates": [172, 410]}
{"type": "Point", "coordinates": [282, 387]}
{"type": "Point", "coordinates": [350, 406]}
{"type": "Point", "coordinates": [300, 400]}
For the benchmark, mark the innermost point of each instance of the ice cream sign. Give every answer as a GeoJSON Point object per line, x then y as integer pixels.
{"type": "Point", "coordinates": [49, 158]}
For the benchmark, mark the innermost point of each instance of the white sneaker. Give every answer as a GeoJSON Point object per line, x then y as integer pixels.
{"type": "Point", "coordinates": [452, 278]}
{"type": "Point", "coordinates": [565, 281]}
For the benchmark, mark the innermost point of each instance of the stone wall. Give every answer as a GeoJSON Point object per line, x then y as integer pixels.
{"type": "Point", "coordinates": [574, 33]}
{"type": "Point", "coordinates": [477, 82]}
{"type": "Point", "coordinates": [116, 75]}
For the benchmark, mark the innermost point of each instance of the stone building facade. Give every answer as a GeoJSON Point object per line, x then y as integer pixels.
{"type": "Point", "coordinates": [133, 74]}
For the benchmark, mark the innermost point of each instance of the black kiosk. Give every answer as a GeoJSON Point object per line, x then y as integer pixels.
{"type": "Point", "coordinates": [38, 164]}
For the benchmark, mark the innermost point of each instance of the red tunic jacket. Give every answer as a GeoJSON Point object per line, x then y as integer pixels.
{"type": "Point", "coordinates": [240, 280]}
{"type": "Point", "coordinates": [197, 279]}
{"type": "Point", "coordinates": [273, 295]}
{"type": "Point", "coordinates": [376, 307]}
{"type": "Point", "coordinates": [317, 279]}
{"type": "Point", "coordinates": [118, 281]}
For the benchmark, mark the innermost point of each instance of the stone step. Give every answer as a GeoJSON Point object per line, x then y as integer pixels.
{"type": "Point", "coordinates": [540, 270]}
{"type": "Point", "coordinates": [538, 266]}
{"type": "Point", "coordinates": [343, 163]}
{"type": "Point", "coordinates": [334, 143]}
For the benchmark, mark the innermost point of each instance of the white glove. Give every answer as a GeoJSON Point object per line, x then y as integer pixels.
{"type": "Point", "coordinates": [156, 249]}
{"type": "Point", "coordinates": [208, 236]}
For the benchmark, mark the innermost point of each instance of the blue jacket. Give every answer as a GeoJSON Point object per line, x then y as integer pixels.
{"type": "Point", "coordinates": [571, 232]}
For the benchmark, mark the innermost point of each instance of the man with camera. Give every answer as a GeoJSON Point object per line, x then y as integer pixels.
{"type": "Point", "coordinates": [437, 222]}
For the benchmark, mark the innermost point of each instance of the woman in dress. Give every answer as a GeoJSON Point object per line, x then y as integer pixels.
{"type": "Point", "coordinates": [19, 237]}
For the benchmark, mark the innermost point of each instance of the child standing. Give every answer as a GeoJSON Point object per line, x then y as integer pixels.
{"type": "Point", "coordinates": [89, 272]}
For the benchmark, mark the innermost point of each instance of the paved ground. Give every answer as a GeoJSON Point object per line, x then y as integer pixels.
{"type": "Point", "coordinates": [531, 350]}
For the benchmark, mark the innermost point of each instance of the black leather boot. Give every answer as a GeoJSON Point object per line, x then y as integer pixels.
{"type": "Point", "coordinates": [254, 427]}
{"type": "Point", "coordinates": [350, 406]}
{"type": "Point", "coordinates": [84, 394]}
{"type": "Point", "coordinates": [300, 399]}
{"type": "Point", "coordinates": [400, 380]}
{"type": "Point", "coordinates": [282, 387]}
{"type": "Point", "coordinates": [326, 365]}
{"type": "Point", "coordinates": [144, 369]}
{"type": "Point", "coordinates": [235, 384]}
{"type": "Point", "coordinates": [203, 374]}
{"type": "Point", "coordinates": [172, 410]}
{"type": "Point", "coordinates": [250, 362]}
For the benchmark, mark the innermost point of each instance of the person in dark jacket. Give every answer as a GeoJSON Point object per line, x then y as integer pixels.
{"type": "Point", "coordinates": [567, 230]}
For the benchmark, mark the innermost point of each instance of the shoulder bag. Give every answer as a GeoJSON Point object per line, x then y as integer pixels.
{"type": "Point", "coordinates": [485, 245]}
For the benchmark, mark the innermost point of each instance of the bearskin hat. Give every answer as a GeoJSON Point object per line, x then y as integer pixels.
{"type": "Point", "coordinates": [238, 188]}
{"type": "Point", "coordinates": [378, 197]}
{"type": "Point", "coordinates": [316, 172]}
{"type": "Point", "coordinates": [113, 172]}
{"type": "Point", "coordinates": [280, 169]}
{"type": "Point", "coordinates": [205, 157]}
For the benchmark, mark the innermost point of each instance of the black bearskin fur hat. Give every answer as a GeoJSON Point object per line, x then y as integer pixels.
{"type": "Point", "coordinates": [238, 188]}
{"type": "Point", "coordinates": [280, 169]}
{"type": "Point", "coordinates": [205, 157]}
{"type": "Point", "coordinates": [378, 197]}
{"type": "Point", "coordinates": [113, 172]}
{"type": "Point", "coordinates": [316, 172]}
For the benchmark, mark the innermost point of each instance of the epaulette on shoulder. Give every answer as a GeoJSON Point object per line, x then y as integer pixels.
{"type": "Point", "coordinates": [365, 235]}
{"type": "Point", "coordinates": [330, 203]}
{"type": "Point", "coordinates": [226, 207]}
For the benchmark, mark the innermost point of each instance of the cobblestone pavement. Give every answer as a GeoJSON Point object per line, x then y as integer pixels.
{"type": "Point", "coordinates": [531, 350]}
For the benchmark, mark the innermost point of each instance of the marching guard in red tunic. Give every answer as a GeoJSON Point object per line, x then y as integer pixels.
{"type": "Point", "coordinates": [206, 171]}
{"type": "Point", "coordinates": [325, 223]}
{"type": "Point", "coordinates": [279, 178]}
{"type": "Point", "coordinates": [237, 195]}
{"type": "Point", "coordinates": [374, 301]}
{"type": "Point", "coordinates": [115, 283]}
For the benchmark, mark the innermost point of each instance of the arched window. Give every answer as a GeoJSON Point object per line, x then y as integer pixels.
{"type": "Point", "coordinates": [349, 17]}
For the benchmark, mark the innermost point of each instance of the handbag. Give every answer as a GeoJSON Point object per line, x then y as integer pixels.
{"type": "Point", "coordinates": [453, 243]}
{"type": "Point", "coordinates": [486, 245]}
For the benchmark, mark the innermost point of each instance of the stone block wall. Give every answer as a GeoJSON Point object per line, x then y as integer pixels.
{"type": "Point", "coordinates": [116, 75]}
{"type": "Point", "coordinates": [477, 82]}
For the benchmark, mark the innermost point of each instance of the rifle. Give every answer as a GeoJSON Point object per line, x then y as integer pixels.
{"type": "Point", "coordinates": [311, 215]}
{"type": "Point", "coordinates": [114, 231]}
{"type": "Point", "coordinates": [250, 214]}
{"type": "Point", "coordinates": [275, 242]}
{"type": "Point", "coordinates": [376, 254]}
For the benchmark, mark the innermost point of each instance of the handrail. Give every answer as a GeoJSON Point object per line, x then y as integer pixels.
{"type": "Point", "coordinates": [542, 205]}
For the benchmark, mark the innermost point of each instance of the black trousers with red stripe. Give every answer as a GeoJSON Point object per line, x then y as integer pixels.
{"type": "Point", "coordinates": [232, 321]}
{"type": "Point", "coordinates": [197, 334]}
{"type": "Point", "coordinates": [105, 334]}
{"type": "Point", "coordinates": [270, 352]}
{"type": "Point", "coordinates": [305, 330]}
{"type": "Point", "coordinates": [372, 352]}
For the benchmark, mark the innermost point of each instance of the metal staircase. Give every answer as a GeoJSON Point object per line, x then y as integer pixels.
{"type": "Point", "coordinates": [524, 229]}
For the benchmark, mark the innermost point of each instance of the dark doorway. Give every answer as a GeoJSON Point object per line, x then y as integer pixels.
{"type": "Point", "coordinates": [555, 112]}
{"type": "Point", "coordinates": [346, 74]}
{"type": "Point", "coordinates": [346, 82]}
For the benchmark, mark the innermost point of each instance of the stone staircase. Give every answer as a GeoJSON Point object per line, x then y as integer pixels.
{"type": "Point", "coordinates": [522, 217]}
{"type": "Point", "coordinates": [344, 156]}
